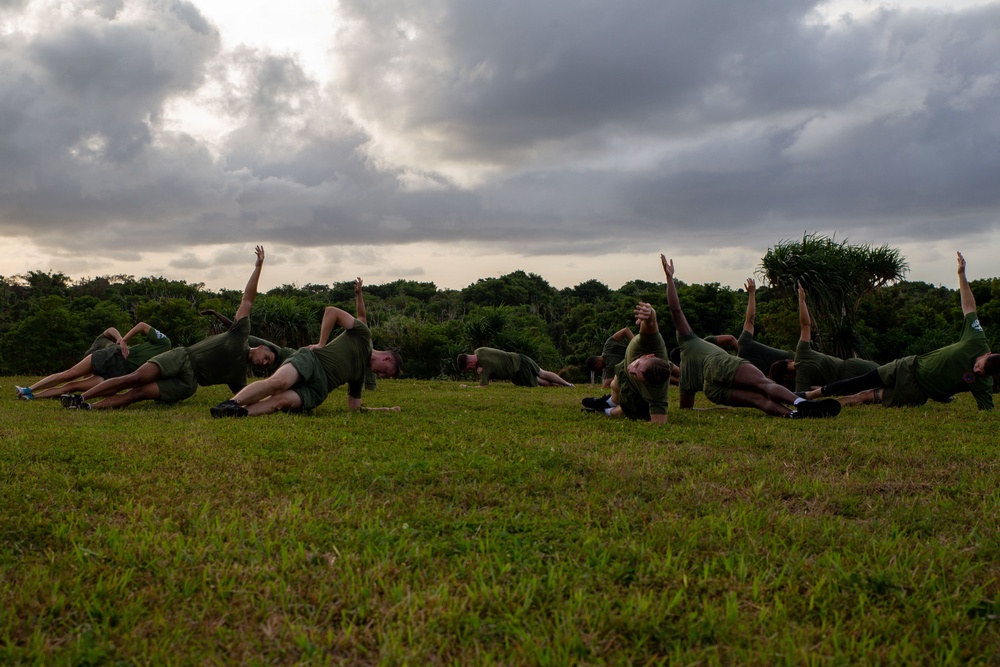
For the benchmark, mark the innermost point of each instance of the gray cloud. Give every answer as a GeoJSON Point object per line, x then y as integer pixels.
{"type": "Point", "coordinates": [556, 128]}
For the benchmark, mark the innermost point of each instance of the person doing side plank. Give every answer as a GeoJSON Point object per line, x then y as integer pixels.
{"type": "Point", "coordinates": [175, 375]}
{"type": "Point", "coordinates": [963, 366]}
{"type": "Point", "coordinates": [728, 380]}
{"type": "Point", "coordinates": [522, 371]}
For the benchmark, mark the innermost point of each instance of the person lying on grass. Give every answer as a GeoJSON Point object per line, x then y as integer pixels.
{"type": "Point", "coordinates": [967, 365]}
{"type": "Point", "coordinates": [103, 362]}
{"type": "Point", "coordinates": [639, 387]}
{"type": "Point", "coordinates": [729, 380]}
{"type": "Point", "coordinates": [305, 380]}
{"type": "Point", "coordinates": [812, 368]}
{"type": "Point", "coordinates": [611, 355]}
{"type": "Point", "coordinates": [175, 375]}
{"type": "Point", "coordinates": [522, 371]}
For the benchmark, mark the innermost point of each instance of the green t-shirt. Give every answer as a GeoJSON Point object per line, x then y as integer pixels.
{"type": "Point", "coordinates": [694, 351]}
{"type": "Point", "coordinates": [496, 364]}
{"type": "Point", "coordinates": [283, 352]}
{"type": "Point", "coordinates": [347, 357]}
{"type": "Point", "coordinates": [653, 394]}
{"type": "Point", "coordinates": [613, 354]}
{"type": "Point", "coordinates": [222, 359]}
{"type": "Point", "coordinates": [815, 369]}
{"type": "Point", "coordinates": [948, 370]}
{"type": "Point", "coordinates": [156, 342]}
{"type": "Point", "coordinates": [758, 354]}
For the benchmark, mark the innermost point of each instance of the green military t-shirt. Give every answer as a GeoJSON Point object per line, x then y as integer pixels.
{"type": "Point", "coordinates": [758, 354]}
{"type": "Point", "coordinates": [496, 364]}
{"type": "Point", "coordinates": [222, 359]}
{"type": "Point", "coordinates": [948, 370]}
{"type": "Point", "coordinates": [815, 369]}
{"type": "Point", "coordinates": [694, 351]}
{"type": "Point", "coordinates": [347, 357]}
{"type": "Point", "coordinates": [156, 342]}
{"type": "Point", "coordinates": [613, 354]}
{"type": "Point", "coordinates": [653, 394]}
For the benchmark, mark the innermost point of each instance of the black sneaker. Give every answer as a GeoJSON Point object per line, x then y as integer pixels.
{"type": "Point", "coordinates": [228, 408]}
{"type": "Point", "coordinates": [71, 400]}
{"type": "Point", "coordinates": [80, 405]}
{"type": "Point", "coordinates": [826, 407]}
{"type": "Point", "coordinates": [799, 394]}
{"type": "Point", "coordinates": [596, 404]}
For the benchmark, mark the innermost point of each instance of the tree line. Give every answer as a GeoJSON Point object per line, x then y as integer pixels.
{"type": "Point", "coordinates": [861, 302]}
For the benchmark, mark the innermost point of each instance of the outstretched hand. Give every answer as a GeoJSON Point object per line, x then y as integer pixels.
{"type": "Point", "coordinates": [260, 254]}
{"type": "Point", "coordinates": [668, 268]}
{"type": "Point", "coordinates": [802, 291]}
{"type": "Point", "coordinates": [961, 263]}
{"type": "Point", "coordinates": [643, 311]}
{"type": "Point", "coordinates": [750, 285]}
{"type": "Point", "coordinates": [357, 285]}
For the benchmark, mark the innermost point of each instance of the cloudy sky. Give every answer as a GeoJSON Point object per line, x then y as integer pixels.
{"type": "Point", "coordinates": [451, 140]}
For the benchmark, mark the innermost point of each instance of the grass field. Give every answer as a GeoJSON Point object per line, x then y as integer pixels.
{"type": "Point", "coordinates": [497, 526]}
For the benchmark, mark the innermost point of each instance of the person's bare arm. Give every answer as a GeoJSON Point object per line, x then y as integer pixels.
{"type": "Point", "coordinates": [676, 314]}
{"type": "Point", "coordinates": [333, 317]}
{"type": "Point", "coordinates": [645, 317]}
{"type": "Point", "coordinates": [751, 288]}
{"type": "Point", "coordinates": [686, 402]}
{"type": "Point", "coordinates": [250, 291]}
{"type": "Point", "coordinates": [217, 315]}
{"type": "Point", "coordinates": [728, 342]}
{"type": "Point", "coordinates": [805, 322]}
{"type": "Point", "coordinates": [359, 301]}
{"type": "Point", "coordinates": [625, 333]}
{"type": "Point", "coordinates": [658, 419]}
{"type": "Point", "coordinates": [111, 333]}
{"type": "Point", "coordinates": [968, 300]}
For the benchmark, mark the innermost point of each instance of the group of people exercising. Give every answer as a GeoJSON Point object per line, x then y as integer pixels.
{"type": "Point", "coordinates": [636, 367]}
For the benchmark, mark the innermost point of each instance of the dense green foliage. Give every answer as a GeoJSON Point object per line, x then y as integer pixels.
{"type": "Point", "coordinates": [48, 321]}
{"type": "Point", "coordinates": [496, 526]}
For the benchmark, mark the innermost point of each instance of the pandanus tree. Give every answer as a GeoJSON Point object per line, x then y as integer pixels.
{"type": "Point", "coordinates": [836, 276]}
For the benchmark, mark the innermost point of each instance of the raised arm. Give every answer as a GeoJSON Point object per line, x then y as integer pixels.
{"type": "Point", "coordinates": [645, 317]}
{"type": "Point", "coordinates": [332, 317]}
{"type": "Point", "coordinates": [250, 291]}
{"type": "Point", "coordinates": [805, 322]}
{"type": "Point", "coordinates": [968, 300]}
{"type": "Point", "coordinates": [676, 314]}
{"type": "Point", "coordinates": [751, 288]}
{"type": "Point", "coordinates": [359, 301]}
{"type": "Point", "coordinates": [625, 333]}
{"type": "Point", "coordinates": [727, 342]}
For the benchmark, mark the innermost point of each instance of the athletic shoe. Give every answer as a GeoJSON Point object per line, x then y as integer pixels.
{"type": "Point", "coordinates": [228, 408]}
{"type": "Point", "coordinates": [827, 407]}
{"type": "Point", "coordinates": [71, 400]}
{"type": "Point", "coordinates": [24, 393]}
{"type": "Point", "coordinates": [82, 405]}
{"type": "Point", "coordinates": [596, 404]}
{"type": "Point", "coordinates": [799, 394]}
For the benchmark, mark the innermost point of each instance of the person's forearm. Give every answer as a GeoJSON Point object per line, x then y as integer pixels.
{"type": "Point", "coordinates": [141, 327]}
{"type": "Point", "coordinates": [112, 334]}
{"type": "Point", "coordinates": [968, 300]}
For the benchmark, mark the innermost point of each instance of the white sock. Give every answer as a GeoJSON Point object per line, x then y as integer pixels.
{"type": "Point", "coordinates": [607, 411]}
{"type": "Point", "coordinates": [798, 400]}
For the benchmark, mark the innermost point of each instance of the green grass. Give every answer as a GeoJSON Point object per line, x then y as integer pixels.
{"type": "Point", "coordinates": [496, 526]}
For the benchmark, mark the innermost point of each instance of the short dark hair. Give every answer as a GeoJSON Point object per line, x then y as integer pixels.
{"type": "Point", "coordinates": [463, 359]}
{"type": "Point", "coordinates": [595, 363]}
{"type": "Point", "coordinates": [397, 361]}
{"type": "Point", "coordinates": [779, 372]}
{"type": "Point", "coordinates": [657, 372]}
{"type": "Point", "coordinates": [992, 366]}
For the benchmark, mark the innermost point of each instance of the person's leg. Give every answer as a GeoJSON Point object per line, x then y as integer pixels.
{"type": "Point", "coordinates": [850, 386]}
{"type": "Point", "coordinates": [146, 374]}
{"type": "Point", "coordinates": [550, 379]}
{"type": "Point", "coordinates": [282, 380]}
{"type": "Point", "coordinates": [746, 398]}
{"type": "Point", "coordinates": [71, 387]}
{"type": "Point", "coordinates": [145, 392]}
{"type": "Point", "coordinates": [869, 396]}
{"type": "Point", "coordinates": [81, 369]}
{"type": "Point", "coordinates": [283, 402]}
{"type": "Point", "coordinates": [748, 377]}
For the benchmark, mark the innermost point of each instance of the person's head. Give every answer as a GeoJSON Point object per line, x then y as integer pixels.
{"type": "Point", "coordinates": [467, 362]}
{"type": "Point", "coordinates": [650, 369]}
{"type": "Point", "coordinates": [987, 364]}
{"type": "Point", "coordinates": [263, 356]}
{"type": "Point", "coordinates": [783, 373]}
{"type": "Point", "coordinates": [595, 363]}
{"type": "Point", "coordinates": [386, 364]}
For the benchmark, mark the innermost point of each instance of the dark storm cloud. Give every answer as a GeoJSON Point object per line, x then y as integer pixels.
{"type": "Point", "coordinates": [581, 127]}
